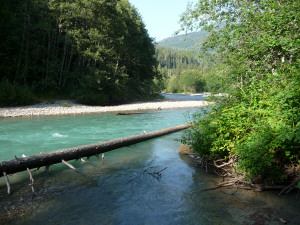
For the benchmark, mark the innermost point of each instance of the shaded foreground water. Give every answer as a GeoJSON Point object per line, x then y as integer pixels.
{"type": "Point", "coordinates": [122, 188]}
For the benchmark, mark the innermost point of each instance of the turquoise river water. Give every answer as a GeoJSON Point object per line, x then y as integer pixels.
{"type": "Point", "coordinates": [121, 189]}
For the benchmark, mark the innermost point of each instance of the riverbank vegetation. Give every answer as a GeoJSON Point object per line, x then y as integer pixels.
{"type": "Point", "coordinates": [187, 70]}
{"type": "Point", "coordinates": [96, 52]}
{"type": "Point", "coordinates": [254, 135]}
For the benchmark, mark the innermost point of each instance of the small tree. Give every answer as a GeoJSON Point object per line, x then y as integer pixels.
{"type": "Point", "coordinates": [257, 42]}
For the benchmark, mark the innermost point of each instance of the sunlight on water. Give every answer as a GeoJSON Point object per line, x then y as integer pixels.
{"type": "Point", "coordinates": [59, 135]}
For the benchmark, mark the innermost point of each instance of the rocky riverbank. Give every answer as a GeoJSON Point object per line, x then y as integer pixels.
{"type": "Point", "coordinates": [65, 107]}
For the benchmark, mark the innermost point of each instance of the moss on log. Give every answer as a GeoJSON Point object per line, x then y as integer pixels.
{"type": "Point", "coordinates": [46, 159]}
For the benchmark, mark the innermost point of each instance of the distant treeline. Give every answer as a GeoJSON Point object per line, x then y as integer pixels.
{"type": "Point", "coordinates": [191, 41]}
{"type": "Point", "coordinates": [173, 59]}
{"type": "Point", "coordinates": [95, 51]}
{"type": "Point", "coordinates": [187, 71]}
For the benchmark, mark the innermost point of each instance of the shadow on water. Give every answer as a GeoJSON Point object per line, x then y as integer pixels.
{"type": "Point", "coordinates": [121, 190]}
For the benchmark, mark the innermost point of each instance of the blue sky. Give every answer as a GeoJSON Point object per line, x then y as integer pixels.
{"type": "Point", "coordinates": [161, 16]}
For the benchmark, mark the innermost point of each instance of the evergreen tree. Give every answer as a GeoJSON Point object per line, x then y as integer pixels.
{"type": "Point", "coordinates": [94, 50]}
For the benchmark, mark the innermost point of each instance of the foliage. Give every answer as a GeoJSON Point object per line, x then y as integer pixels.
{"type": "Point", "coordinates": [186, 71]}
{"type": "Point", "coordinates": [175, 59]}
{"type": "Point", "coordinates": [217, 79]}
{"type": "Point", "coordinates": [258, 44]}
{"type": "Point", "coordinates": [188, 81]}
{"type": "Point", "coordinates": [16, 95]}
{"type": "Point", "coordinates": [190, 41]}
{"type": "Point", "coordinates": [90, 50]}
{"type": "Point", "coordinates": [65, 104]}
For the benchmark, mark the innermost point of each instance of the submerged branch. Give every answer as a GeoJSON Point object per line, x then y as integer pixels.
{"type": "Point", "coordinates": [237, 179]}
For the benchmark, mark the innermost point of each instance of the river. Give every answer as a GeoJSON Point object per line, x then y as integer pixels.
{"type": "Point", "coordinates": [122, 188]}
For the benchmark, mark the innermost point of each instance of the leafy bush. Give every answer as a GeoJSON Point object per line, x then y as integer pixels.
{"type": "Point", "coordinates": [258, 44]}
{"type": "Point", "coordinates": [65, 104]}
{"type": "Point", "coordinates": [263, 131]}
{"type": "Point", "coordinates": [173, 85]}
{"type": "Point", "coordinates": [189, 81]}
{"type": "Point", "coordinates": [217, 80]}
{"type": "Point", "coordinates": [93, 98]}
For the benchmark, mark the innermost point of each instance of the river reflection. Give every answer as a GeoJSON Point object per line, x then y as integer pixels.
{"type": "Point", "coordinates": [122, 190]}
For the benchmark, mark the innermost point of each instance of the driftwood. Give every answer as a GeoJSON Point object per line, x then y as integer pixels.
{"type": "Point", "coordinates": [7, 183]}
{"type": "Point", "coordinates": [156, 174]}
{"type": "Point", "coordinates": [69, 165]}
{"type": "Point", "coordinates": [30, 176]}
{"type": "Point", "coordinates": [31, 180]}
{"type": "Point", "coordinates": [290, 187]}
{"type": "Point", "coordinates": [242, 184]}
{"type": "Point", "coordinates": [47, 159]}
{"type": "Point", "coordinates": [225, 168]}
{"type": "Point", "coordinates": [126, 114]}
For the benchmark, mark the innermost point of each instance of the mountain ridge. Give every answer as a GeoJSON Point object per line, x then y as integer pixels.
{"type": "Point", "coordinates": [184, 41]}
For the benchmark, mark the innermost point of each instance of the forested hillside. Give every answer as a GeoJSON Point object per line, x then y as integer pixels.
{"type": "Point", "coordinates": [185, 67]}
{"type": "Point", "coordinates": [185, 71]}
{"type": "Point", "coordinates": [254, 134]}
{"type": "Point", "coordinates": [176, 59]}
{"type": "Point", "coordinates": [190, 41]}
{"type": "Point", "coordinates": [95, 51]}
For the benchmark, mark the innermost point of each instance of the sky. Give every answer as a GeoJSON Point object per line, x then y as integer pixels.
{"type": "Point", "coordinates": [161, 16]}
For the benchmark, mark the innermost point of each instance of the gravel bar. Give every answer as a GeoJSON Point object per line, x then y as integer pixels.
{"type": "Point", "coordinates": [65, 107]}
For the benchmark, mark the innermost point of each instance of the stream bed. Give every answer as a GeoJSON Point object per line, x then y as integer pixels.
{"type": "Point", "coordinates": [124, 187]}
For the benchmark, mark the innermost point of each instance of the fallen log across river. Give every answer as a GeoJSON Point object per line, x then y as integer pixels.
{"type": "Point", "coordinates": [61, 156]}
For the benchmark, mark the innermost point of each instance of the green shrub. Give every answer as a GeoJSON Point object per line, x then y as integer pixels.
{"type": "Point", "coordinates": [263, 131]}
{"type": "Point", "coordinates": [15, 94]}
{"type": "Point", "coordinates": [65, 104]}
{"type": "Point", "coordinates": [91, 98]}
{"type": "Point", "coordinates": [192, 81]}
{"type": "Point", "coordinates": [258, 52]}
{"type": "Point", "coordinates": [173, 85]}
{"type": "Point", "coordinates": [189, 81]}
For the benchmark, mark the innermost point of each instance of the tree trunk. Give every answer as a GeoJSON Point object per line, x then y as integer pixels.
{"type": "Point", "coordinates": [63, 63]}
{"type": "Point", "coordinates": [36, 161]}
{"type": "Point", "coordinates": [48, 58]}
{"type": "Point", "coordinates": [22, 43]}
